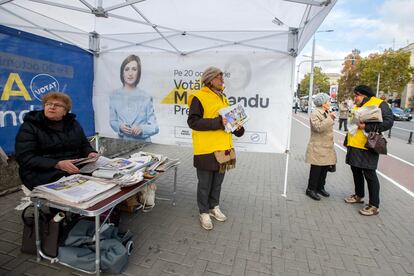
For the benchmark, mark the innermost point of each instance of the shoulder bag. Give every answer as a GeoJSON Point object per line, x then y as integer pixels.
{"type": "Point", "coordinates": [48, 231]}
{"type": "Point", "coordinates": [376, 142]}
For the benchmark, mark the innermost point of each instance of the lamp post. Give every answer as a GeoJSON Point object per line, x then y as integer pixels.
{"type": "Point", "coordinates": [312, 69]}
{"type": "Point", "coordinates": [378, 83]}
{"type": "Point", "coordinates": [297, 73]}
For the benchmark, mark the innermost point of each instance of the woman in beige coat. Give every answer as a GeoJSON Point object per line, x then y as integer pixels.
{"type": "Point", "coordinates": [320, 152]}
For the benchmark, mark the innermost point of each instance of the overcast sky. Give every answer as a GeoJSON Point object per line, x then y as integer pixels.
{"type": "Point", "coordinates": [368, 25]}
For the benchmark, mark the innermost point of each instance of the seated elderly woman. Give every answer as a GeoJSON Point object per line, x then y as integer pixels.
{"type": "Point", "coordinates": [49, 141]}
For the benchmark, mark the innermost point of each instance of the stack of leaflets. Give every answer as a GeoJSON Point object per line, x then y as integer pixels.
{"type": "Point", "coordinates": [108, 168]}
{"type": "Point", "coordinates": [121, 171]}
{"type": "Point", "coordinates": [76, 190]}
{"type": "Point", "coordinates": [124, 180]}
{"type": "Point", "coordinates": [235, 115]}
{"type": "Point", "coordinates": [168, 163]}
{"type": "Point", "coordinates": [156, 159]}
{"type": "Point", "coordinates": [143, 161]}
{"type": "Point", "coordinates": [117, 164]}
{"type": "Point", "coordinates": [126, 172]}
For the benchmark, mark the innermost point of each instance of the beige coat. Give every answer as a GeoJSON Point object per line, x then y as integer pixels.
{"type": "Point", "coordinates": [321, 149]}
{"type": "Point", "coordinates": [343, 111]}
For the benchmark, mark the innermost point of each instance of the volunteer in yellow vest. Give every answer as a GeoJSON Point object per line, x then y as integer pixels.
{"type": "Point", "coordinates": [364, 162]}
{"type": "Point", "coordinates": [210, 142]}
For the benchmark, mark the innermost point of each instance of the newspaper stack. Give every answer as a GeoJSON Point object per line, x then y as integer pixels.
{"type": "Point", "coordinates": [121, 171]}
{"type": "Point", "coordinates": [76, 190]}
{"type": "Point", "coordinates": [168, 163]}
{"type": "Point", "coordinates": [125, 179]}
{"type": "Point", "coordinates": [156, 159]}
{"type": "Point", "coordinates": [158, 162]}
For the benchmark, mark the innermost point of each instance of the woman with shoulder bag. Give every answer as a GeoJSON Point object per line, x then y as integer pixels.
{"type": "Point", "coordinates": [362, 160]}
{"type": "Point", "coordinates": [213, 147]}
{"type": "Point", "coordinates": [320, 152]}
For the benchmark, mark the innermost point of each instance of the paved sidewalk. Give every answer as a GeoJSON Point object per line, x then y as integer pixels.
{"type": "Point", "coordinates": [266, 234]}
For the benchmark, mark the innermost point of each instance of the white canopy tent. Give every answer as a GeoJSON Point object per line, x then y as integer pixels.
{"type": "Point", "coordinates": [180, 27]}
{"type": "Point", "coordinates": [177, 26]}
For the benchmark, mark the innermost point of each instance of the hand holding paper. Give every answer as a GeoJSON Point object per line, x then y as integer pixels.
{"type": "Point", "coordinates": [234, 117]}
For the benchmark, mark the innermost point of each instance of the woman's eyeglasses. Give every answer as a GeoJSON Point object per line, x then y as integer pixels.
{"type": "Point", "coordinates": [220, 77]}
{"type": "Point", "coordinates": [54, 105]}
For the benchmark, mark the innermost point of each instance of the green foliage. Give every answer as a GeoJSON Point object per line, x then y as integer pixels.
{"type": "Point", "coordinates": [394, 69]}
{"type": "Point", "coordinates": [320, 82]}
{"type": "Point", "coordinates": [393, 66]}
{"type": "Point", "coordinates": [349, 75]}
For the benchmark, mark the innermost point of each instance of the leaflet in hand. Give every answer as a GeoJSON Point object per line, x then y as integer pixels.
{"type": "Point", "coordinates": [235, 115]}
{"type": "Point", "coordinates": [86, 160]}
{"type": "Point", "coordinates": [90, 167]}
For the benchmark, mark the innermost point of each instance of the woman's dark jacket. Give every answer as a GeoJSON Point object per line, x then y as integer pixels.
{"type": "Point", "coordinates": [196, 121]}
{"type": "Point", "coordinates": [368, 159]}
{"type": "Point", "coordinates": [41, 143]}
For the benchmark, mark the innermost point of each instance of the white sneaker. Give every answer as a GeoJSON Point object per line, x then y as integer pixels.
{"type": "Point", "coordinates": [217, 214]}
{"type": "Point", "coordinates": [205, 221]}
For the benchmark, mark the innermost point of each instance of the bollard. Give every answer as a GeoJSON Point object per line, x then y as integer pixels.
{"type": "Point", "coordinates": [389, 133]}
{"type": "Point", "coordinates": [410, 139]}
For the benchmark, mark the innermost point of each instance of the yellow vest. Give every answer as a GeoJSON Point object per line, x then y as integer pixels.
{"type": "Point", "coordinates": [359, 139]}
{"type": "Point", "coordinates": [209, 141]}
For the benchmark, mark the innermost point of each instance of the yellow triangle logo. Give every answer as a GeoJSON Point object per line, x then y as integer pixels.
{"type": "Point", "coordinates": [179, 94]}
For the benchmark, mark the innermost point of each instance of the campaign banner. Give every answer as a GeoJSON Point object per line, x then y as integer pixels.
{"type": "Point", "coordinates": [333, 91]}
{"type": "Point", "coordinates": [144, 96]}
{"type": "Point", "coordinates": [32, 66]}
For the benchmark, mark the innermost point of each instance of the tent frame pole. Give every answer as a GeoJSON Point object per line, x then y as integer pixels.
{"type": "Point", "coordinates": [45, 29]}
{"type": "Point", "coordinates": [292, 48]}
{"type": "Point", "coordinates": [289, 130]}
{"type": "Point", "coordinates": [155, 27]}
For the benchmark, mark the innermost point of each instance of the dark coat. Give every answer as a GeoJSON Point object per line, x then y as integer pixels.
{"type": "Point", "coordinates": [41, 143]}
{"type": "Point", "coordinates": [368, 159]}
{"type": "Point", "coordinates": [196, 121]}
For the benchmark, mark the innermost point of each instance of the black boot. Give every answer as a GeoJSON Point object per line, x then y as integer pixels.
{"type": "Point", "coordinates": [312, 194]}
{"type": "Point", "coordinates": [323, 192]}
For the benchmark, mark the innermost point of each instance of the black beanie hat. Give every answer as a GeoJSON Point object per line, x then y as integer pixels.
{"type": "Point", "coordinates": [365, 90]}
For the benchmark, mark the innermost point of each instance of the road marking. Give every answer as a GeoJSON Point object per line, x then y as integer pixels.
{"type": "Point", "coordinates": [396, 184]}
{"type": "Point", "coordinates": [402, 129]}
{"type": "Point", "coordinates": [380, 173]}
{"type": "Point", "coordinates": [400, 159]}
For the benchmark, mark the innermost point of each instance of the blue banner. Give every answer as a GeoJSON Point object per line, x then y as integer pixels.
{"type": "Point", "coordinates": [32, 66]}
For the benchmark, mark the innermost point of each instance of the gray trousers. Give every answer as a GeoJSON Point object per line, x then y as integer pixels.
{"type": "Point", "coordinates": [208, 189]}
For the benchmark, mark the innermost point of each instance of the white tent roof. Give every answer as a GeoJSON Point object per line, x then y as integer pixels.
{"type": "Point", "coordinates": [177, 26]}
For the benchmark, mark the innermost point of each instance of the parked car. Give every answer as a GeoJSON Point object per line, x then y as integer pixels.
{"type": "Point", "coordinates": [401, 115]}
{"type": "Point", "coordinates": [303, 104]}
